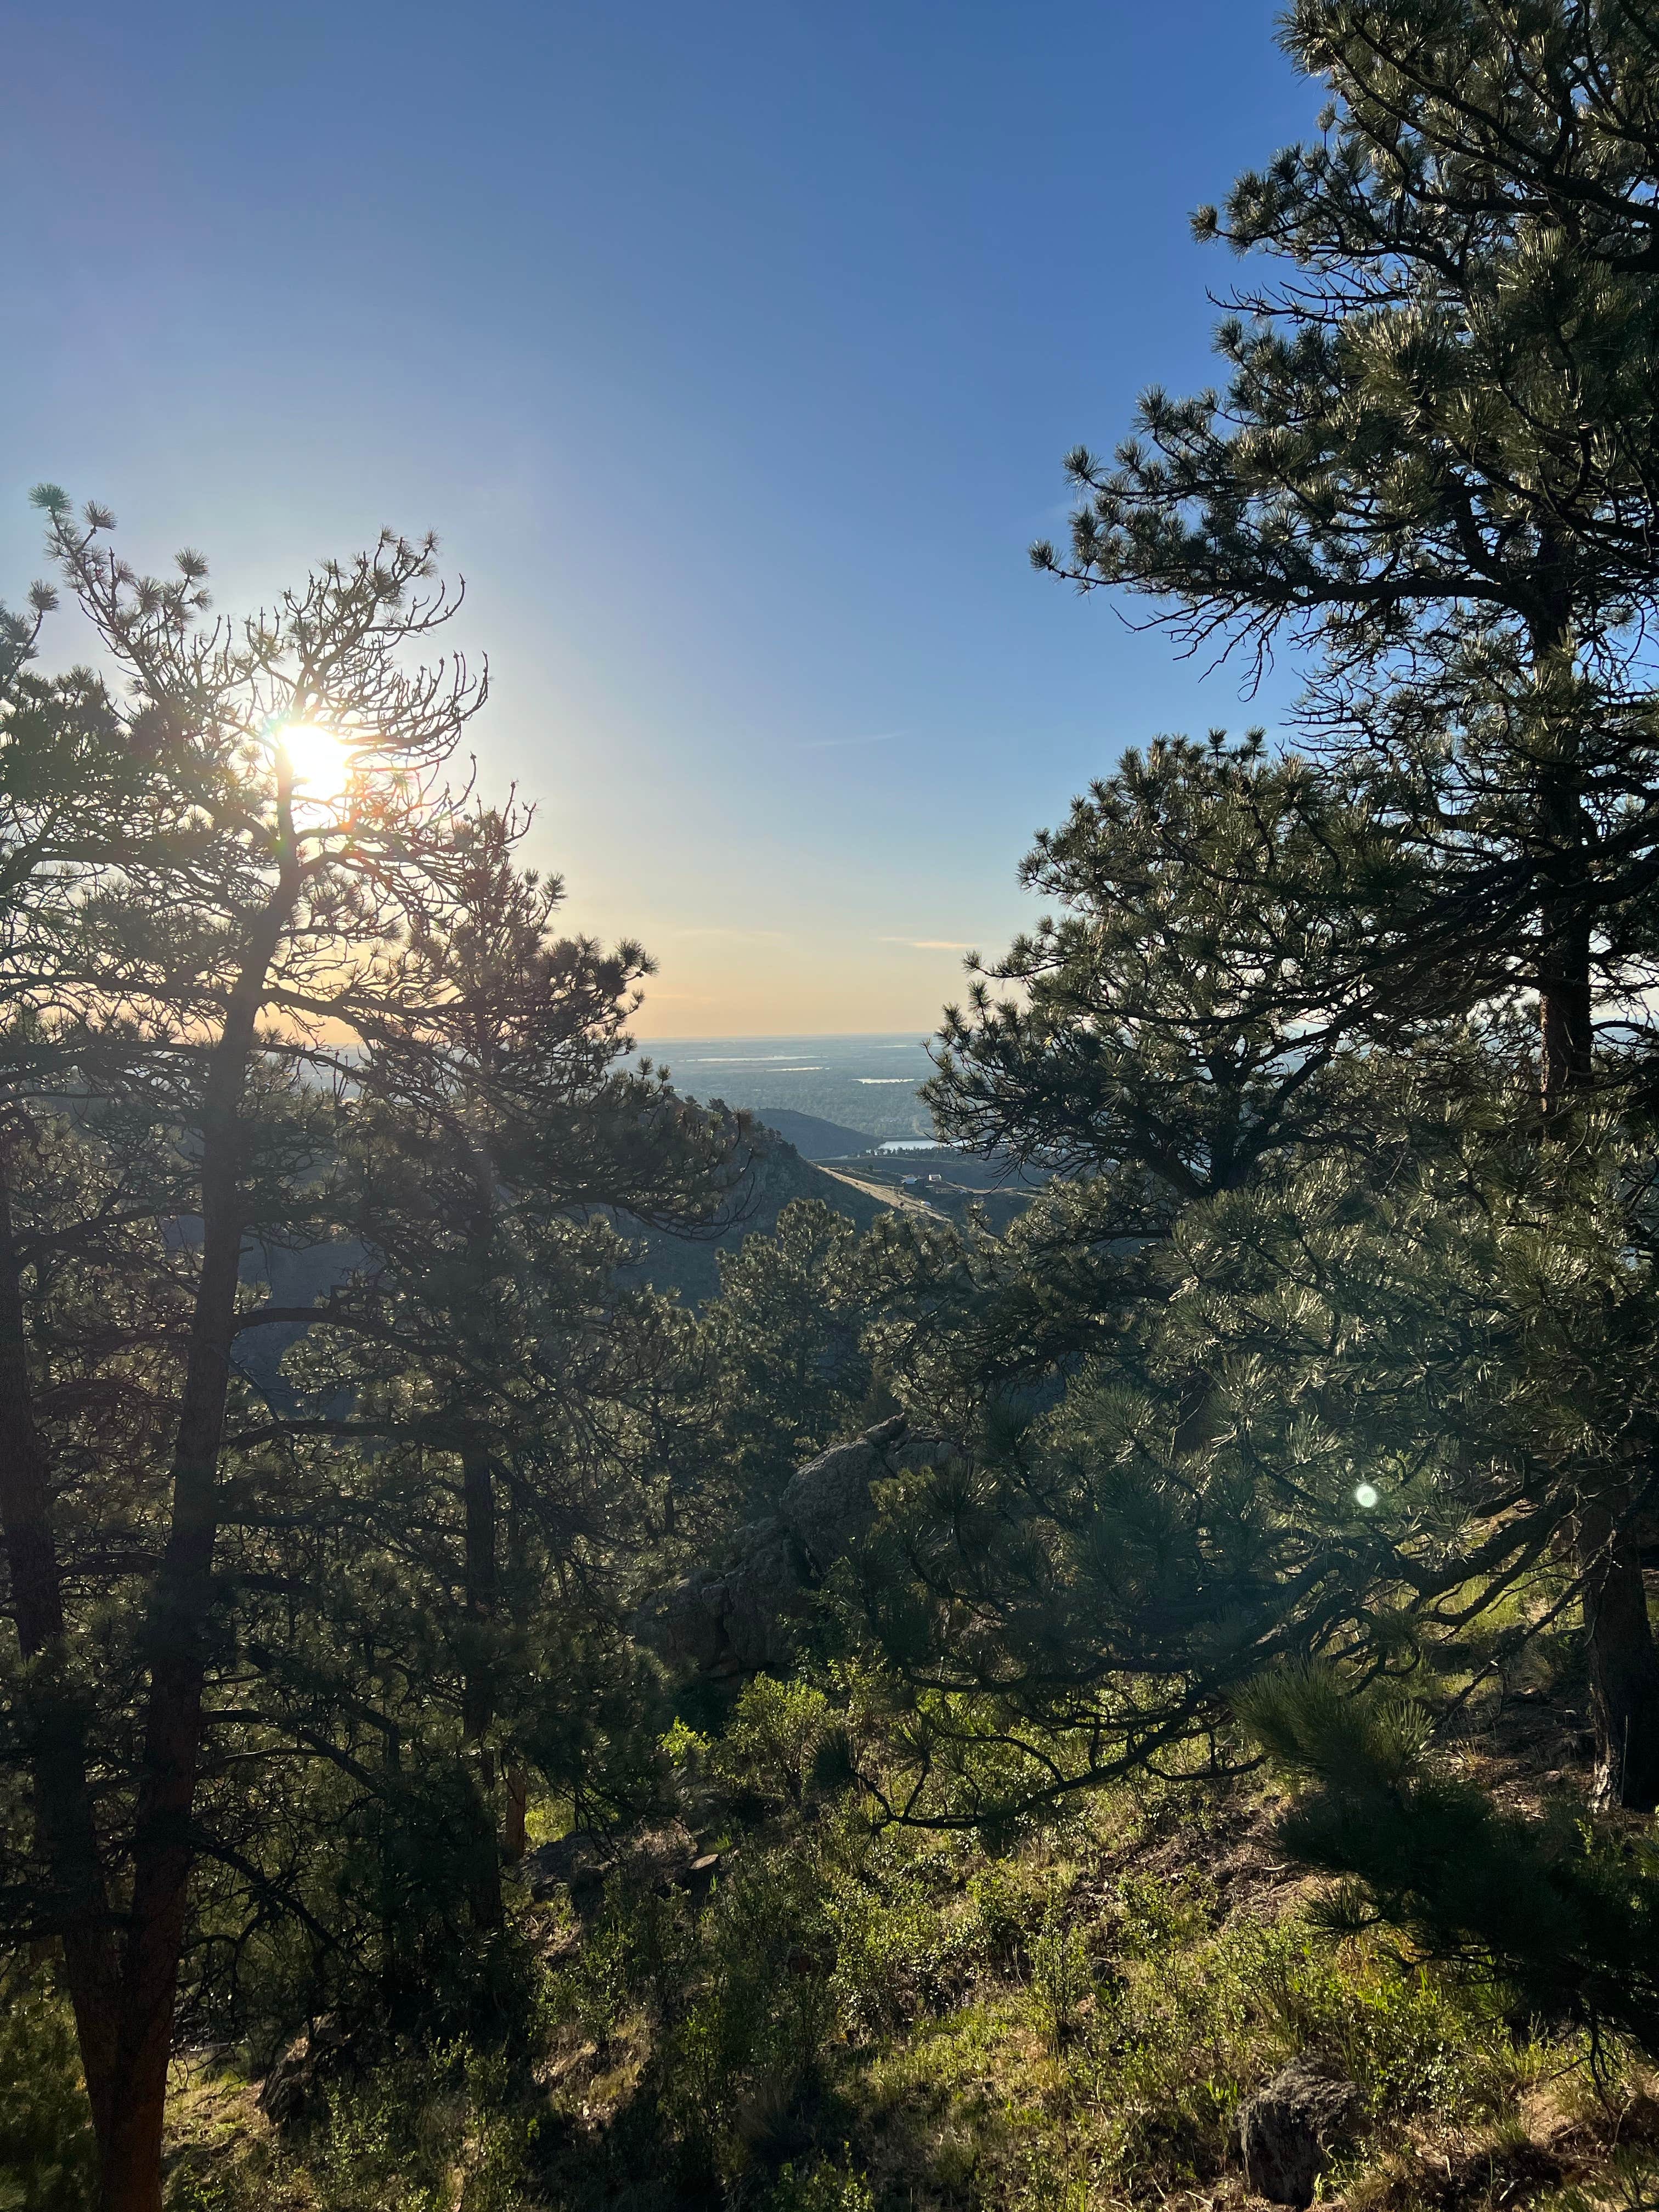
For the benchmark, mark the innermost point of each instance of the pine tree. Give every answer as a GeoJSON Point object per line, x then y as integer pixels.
{"type": "Point", "coordinates": [1188, 1010]}
{"type": "Point", "coordinates": [1433, 469]}
{"type": "Point", "coordinates": [1566, 1920]}
{"type": "Point", "coordinates": [1249, 1315]}
{"type": "Point", "coordinates": [788, 1371]}
{"type": "Point", "coordinates": [497, 1134]}
{"type": "Point", "coordinates": [220, 965]}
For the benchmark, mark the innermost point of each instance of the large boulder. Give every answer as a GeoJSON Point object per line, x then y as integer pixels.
{"type": "Point", "coordinates": [578, 1863]}
{"type": "Point", "coordinates": [826, 1505]}
{"type": "Point", "coordinates": [744, 1616]}
{"type": "Point", "coordinates": [734, 1620]}
{"type": "Point", "coordinates": [1288, 2129]}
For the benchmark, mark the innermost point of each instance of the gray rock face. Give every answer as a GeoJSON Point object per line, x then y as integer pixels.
{"type": "Point", "coordinates": [734, 1620]}
{"type": "Point", "coordinates": [826, 1505]}
{"type": "Point", "coordinates": [1288, 2129]}
{"type": "Point", "coordinates": [660, 1859]}
{"type": "Point", "coordinates": [578, 1863]}
{"type": "Point", "coordinates": [739, 1619]}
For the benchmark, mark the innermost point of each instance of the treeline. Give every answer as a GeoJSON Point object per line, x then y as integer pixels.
{"type": "Point", "coordinates": [1325, 1363]}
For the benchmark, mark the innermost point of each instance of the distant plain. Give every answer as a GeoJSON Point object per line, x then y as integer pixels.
{"type": "Point", "coordinates": [866, 1082]}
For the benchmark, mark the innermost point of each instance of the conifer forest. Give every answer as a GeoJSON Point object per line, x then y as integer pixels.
{"type": "Point", "coordinates": [1143, 1695]}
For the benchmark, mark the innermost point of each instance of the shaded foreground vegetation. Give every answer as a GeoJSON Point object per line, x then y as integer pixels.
{"type": "Point", "coordinates": [852, 2019]}
{"type": "Point", "coordinates": [514, 1718]}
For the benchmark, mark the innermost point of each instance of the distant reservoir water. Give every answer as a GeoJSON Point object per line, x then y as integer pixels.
{"type": "Point", "coordinates": [867, 1084]}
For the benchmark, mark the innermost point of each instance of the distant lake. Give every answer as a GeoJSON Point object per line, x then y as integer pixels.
{"type": "Point", "coordinates": [866, 1082]}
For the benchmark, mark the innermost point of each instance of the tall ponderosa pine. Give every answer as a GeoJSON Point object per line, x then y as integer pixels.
{"type": "Point", "coordinates": [222, 962]}
{"type": "Point", "coordinates": [1435, 468]}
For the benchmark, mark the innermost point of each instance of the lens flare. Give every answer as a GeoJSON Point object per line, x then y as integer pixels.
{"type": "Point", "coordinates": [318, 757]}
{"type": "Point", "coordinates": [1366, 1494]}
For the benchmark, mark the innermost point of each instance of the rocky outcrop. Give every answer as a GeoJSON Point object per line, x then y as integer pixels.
{"type": "Point", "coordinates": [1288, 2129]}
{"type": "Point", "coordinates": [658, 1859]}
{"type": "Point", "coordinates": [744, 1616]}
{"type": "Point", "coordinates": [734, 1620]}
{"type": "Point", "coordinates": [578, 1863]}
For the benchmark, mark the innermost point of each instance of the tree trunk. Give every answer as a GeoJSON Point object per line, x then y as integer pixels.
{"type": "Point", "coordinates": [65, 1834]}
{"type": "Point", "coordinates": [180, 1618]}
{"type": "Point", "coordinates": [478, 1686]}
{"type": "Point", "coordinates": [514, 1838]}
{"type": "Point", "coordinates": [1624, 1664]}
{"type": "Point", "coordinates": [482, 1576]}
{"type": "Point", "coordinates": [164, 1851]}
{"type": "Point", "coordinates": [1564, 1019]}
{"type": "Point", "coordinates": [1566, 1032]}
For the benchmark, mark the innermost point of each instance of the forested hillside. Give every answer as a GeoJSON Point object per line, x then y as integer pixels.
{"type": "Point", "coordinates": [559, 1655]}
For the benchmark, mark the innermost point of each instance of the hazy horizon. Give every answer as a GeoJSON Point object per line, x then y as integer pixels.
{"type": "Point", "coordinates": [777, 1036]}
{"type": "Point", "coordinates": [863, 1080]}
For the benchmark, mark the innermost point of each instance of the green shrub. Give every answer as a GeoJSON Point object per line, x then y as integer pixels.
{"type": "Point", "coordinates": [637, 1958]}
{"type": "Point", "coordinates": [1060, 1978]}
{"type": "Point", "coordinates": [773, 1740]}
{"type": "Point", "coordinates": [1157, 1914]}
{"type": "Point", "coordinates": [736, 2061]}
{"type": "Point", "coordinates": [393, 2142]}
{"type": "Point", "coordinates": [46, 2152]}
{"type": "Point", "coordinates": [1008, 1907]}
{"type": "Point", "coordinates": [417, 2131]}
{"type": "Point", "coordinates": [1182, 2032]}
{"type": "Point", "coordinates": [896, 1956]}
{"type": "Point", "coordinates": [1410, 2040]}
{"type": "Point", "coordinates": [824, 2188]}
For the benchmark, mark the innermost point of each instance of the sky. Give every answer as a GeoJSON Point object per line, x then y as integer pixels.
{"type": "Point", "coordinates": [731, 352]}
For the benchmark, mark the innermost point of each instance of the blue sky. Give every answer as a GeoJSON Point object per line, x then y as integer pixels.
{"type": "Point", "coordinates": [731, 350]}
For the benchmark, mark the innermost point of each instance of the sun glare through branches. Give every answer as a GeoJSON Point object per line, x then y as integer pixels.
{"type": "Point", "coordinates": [320, 757]}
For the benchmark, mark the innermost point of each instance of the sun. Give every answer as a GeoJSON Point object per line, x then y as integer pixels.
{"type": "Point", "coordinates": [319, 758]}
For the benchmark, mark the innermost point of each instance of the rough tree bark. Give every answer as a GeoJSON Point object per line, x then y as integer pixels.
{"type": "Point", "coordinates": [1624, 1660]}
{"type": "Point", "coordinates": [1624, 1663]}
{"type": "Point", "coordinates": [182, 1606]}
{"type": "Point", "coordinates": [65, 1831]}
